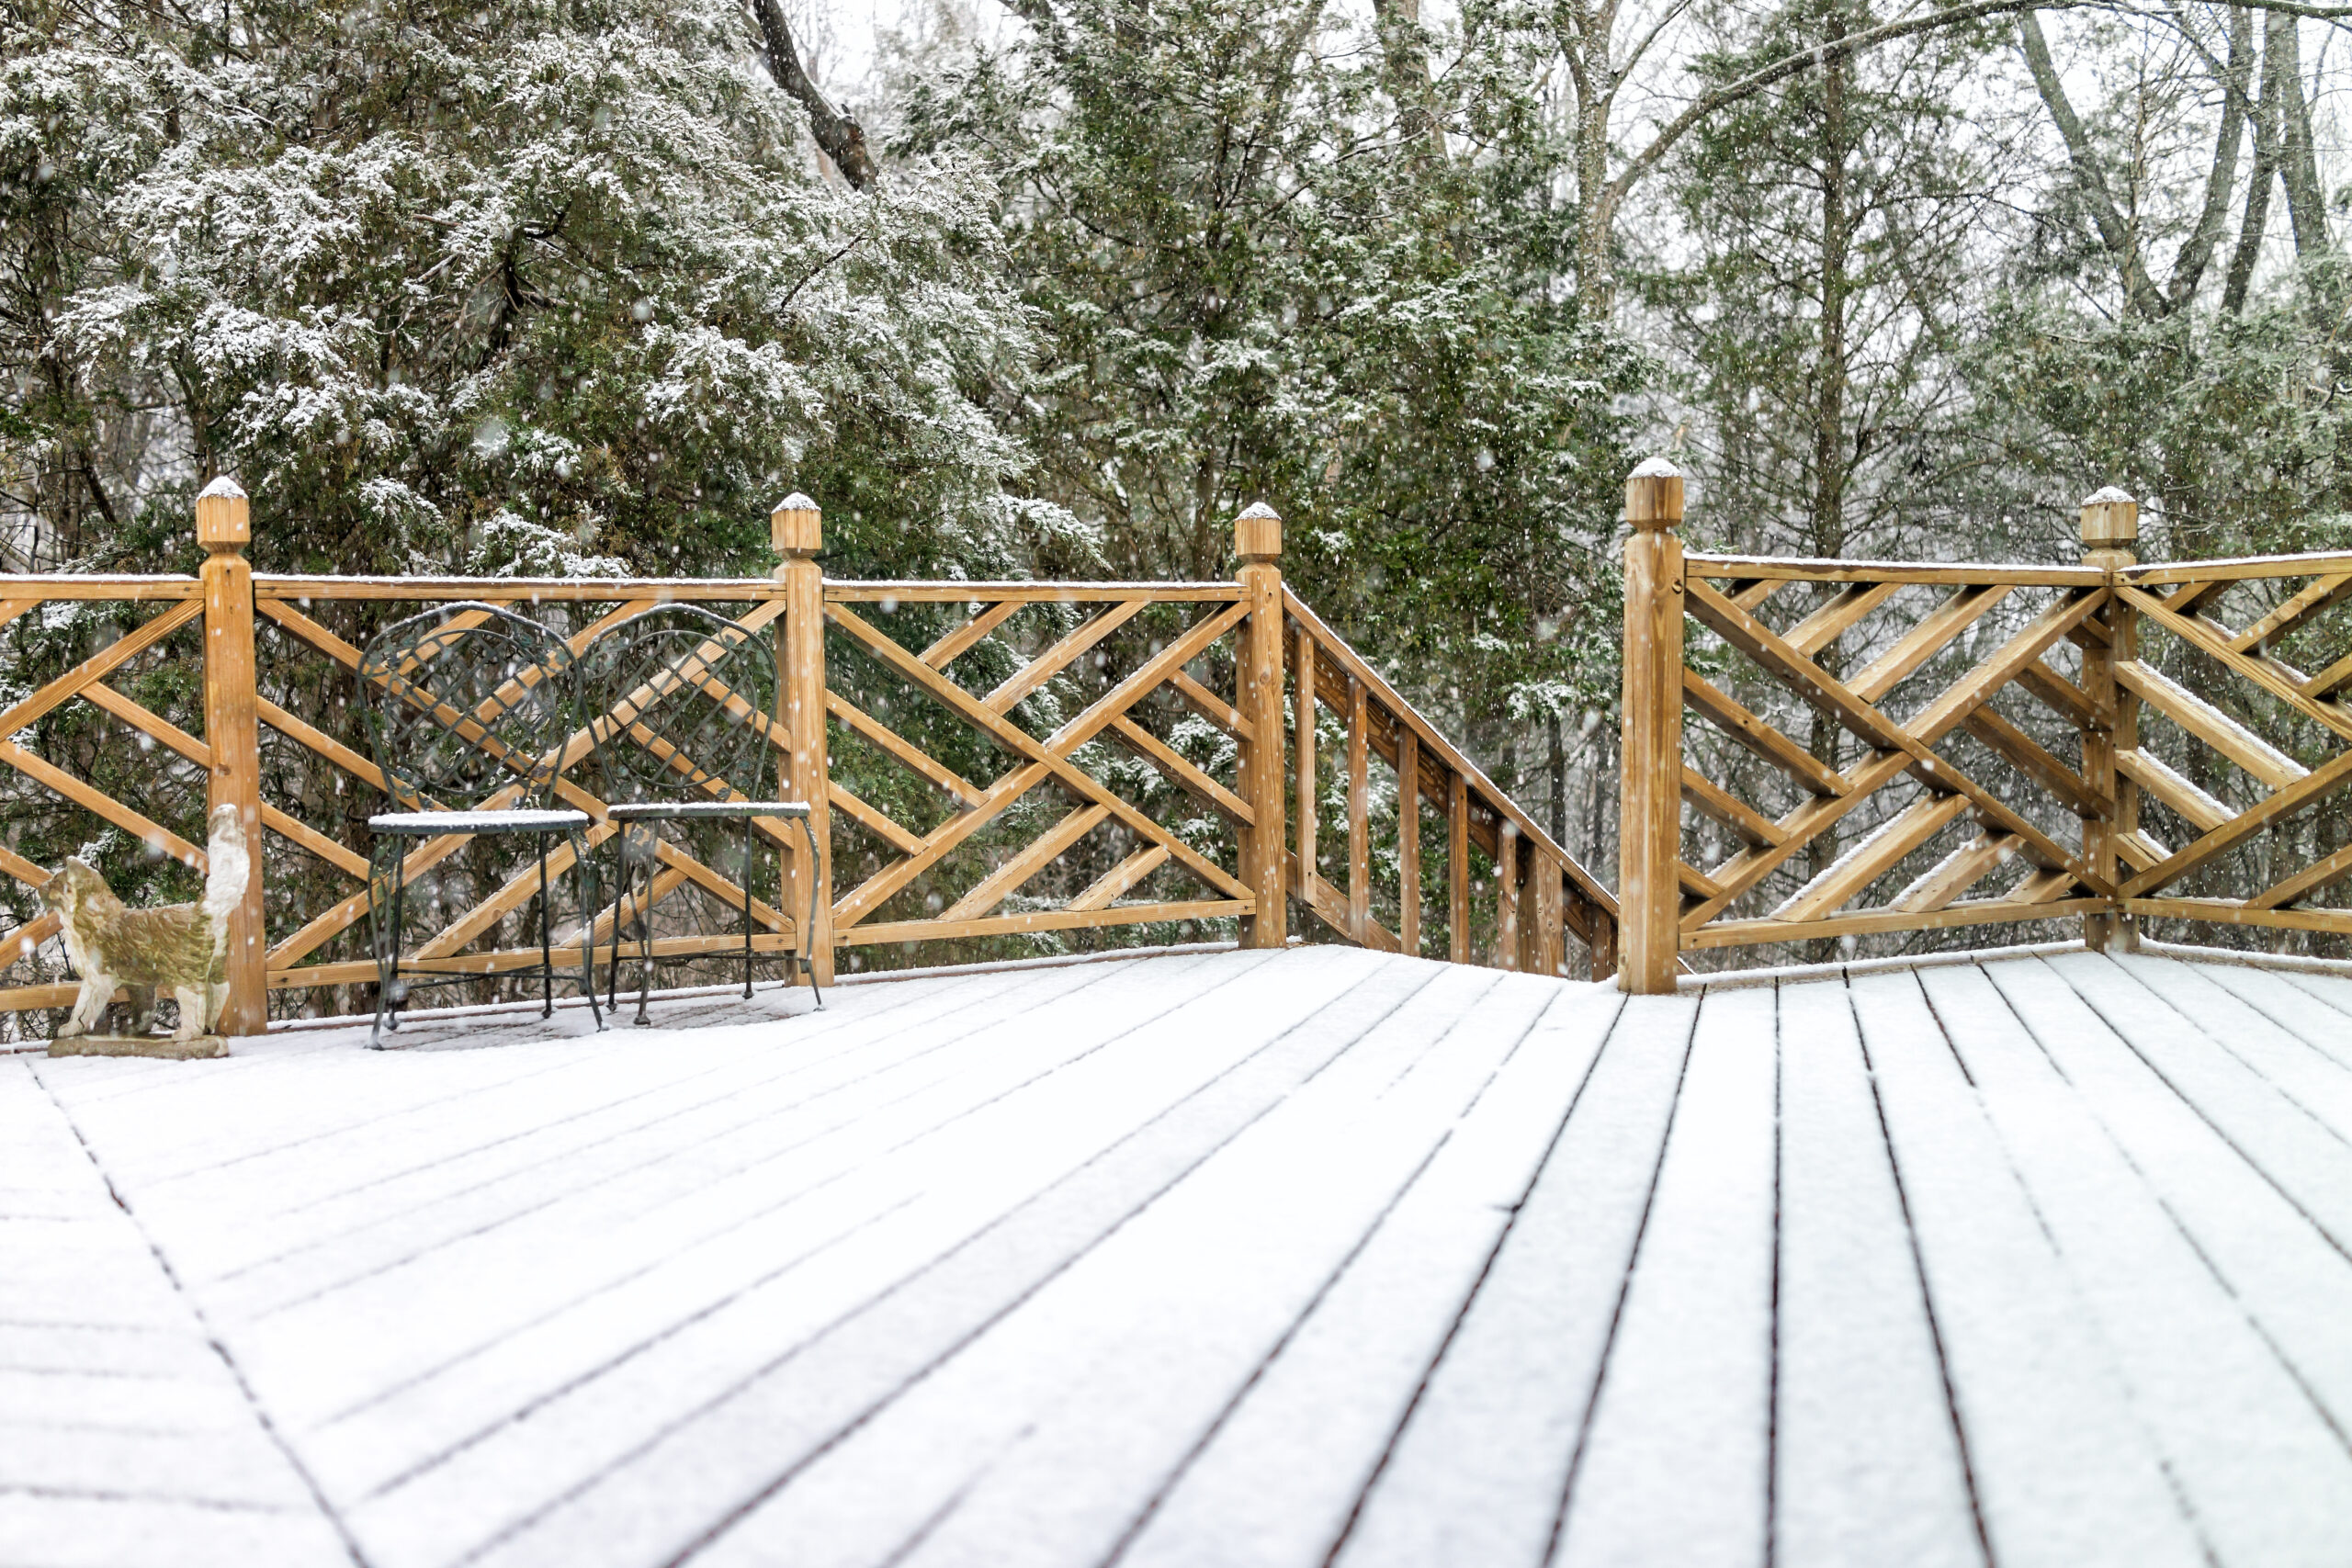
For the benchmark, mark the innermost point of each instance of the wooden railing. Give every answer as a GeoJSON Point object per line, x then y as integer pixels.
{"type": "Point", "coordinates": [1944, 752]}
{"type": "Point", "coordinates": [987, 762]}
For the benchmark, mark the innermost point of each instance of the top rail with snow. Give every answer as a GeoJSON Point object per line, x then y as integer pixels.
{"type": "Point", "coordinates": [985, 762]}
{"type": "Point", "coordinates": [1934, 730]}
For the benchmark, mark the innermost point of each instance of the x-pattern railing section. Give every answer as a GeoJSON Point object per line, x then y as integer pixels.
{"type": "Point", "coordinates": [1884, 747]}
{"type": "Point", "coordinates": [1898, 660]}
{"type": "Point", "coordinates": [74, 776]}
{"type": "Point", "coordinates": [1065, 696]}
{"type": "Point", "coordinates": [2247, 813]}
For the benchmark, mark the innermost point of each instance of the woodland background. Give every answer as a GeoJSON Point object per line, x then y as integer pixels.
{"type": "Point", "coordinates": [585, 286]}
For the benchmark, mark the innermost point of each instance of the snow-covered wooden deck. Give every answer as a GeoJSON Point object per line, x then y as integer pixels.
{"type": "Point", "coordinates": [1216, 1259]}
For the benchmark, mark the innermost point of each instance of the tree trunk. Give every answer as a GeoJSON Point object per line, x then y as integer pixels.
{"type": "Point", "coordinates": [1827, 523]}
{"type": "Point", "coordinates": [2120, 238]}
{"type": "Point", "coordinates": [2237, 84]}
{"type": "Point", "coordinates": [2256, 216]}
{"type": "Point", "coordinates": [1559, 759]}
{"type": "Point", "coordinates": [1408, 56]}
{"type": "Point", "coordinates": [1594, 83]}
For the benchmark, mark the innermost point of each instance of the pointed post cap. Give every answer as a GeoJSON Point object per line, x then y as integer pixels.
{"type": "Point", "coordinates": [1654, 495]}
{"type": "Point", "coordinates": [222, 519]}
{"type": "Point", "coordinates": [2110, 519]}
{"type": "Point", "coordinates": [797, 527]}
{"type": "Point", "coordinates": [1257, 533]}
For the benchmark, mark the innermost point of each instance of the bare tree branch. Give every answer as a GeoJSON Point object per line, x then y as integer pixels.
{"type": "Point", "coordinates": [840, 138]}
{"type": "Point", "coordinates": [1780, 70]}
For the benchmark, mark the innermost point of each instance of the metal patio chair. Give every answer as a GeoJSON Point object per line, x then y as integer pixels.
{"type": "Point", "coordinates": [468, 707]}
{"type": "Point", "coordinates": [685, 705]}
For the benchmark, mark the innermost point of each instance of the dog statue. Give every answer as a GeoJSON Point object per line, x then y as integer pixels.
{"type": "Point", "coordinates": [182, 948]}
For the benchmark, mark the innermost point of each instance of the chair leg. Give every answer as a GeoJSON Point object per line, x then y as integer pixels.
{"type": "Point", "coordinates": [546, 944]}
{"type": "Point", "coordinates": [583, 871]}
{"type": "Point", "coordinates": [620, 892]}
{"type": "Point", "coordinates": [645, 950]}
{"type": "Point", "coordinates": [383, 932]}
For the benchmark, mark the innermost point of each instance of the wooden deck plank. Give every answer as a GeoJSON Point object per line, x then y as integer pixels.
{"type": "Point", "coordinates": [1676, 1461]}
{"type": "Point", "coordinates": [2335, 990]}
{"type": "Point", "coordinates": [103, 1363]}
{"type": "Point", "coordinates": [2313, 1016]}
{"type": "Point", "coordinates": [839, 1355]}
{"type": "Point", "coordinates": [2291, 1279]}
{"type": "Point", "coordinates": [2065, 1472]}
{"type": "Point", "coordinates": [2236, 1430]}
{"type": "Point", "coordinates": [1479, 1470]}
{"type": "Point", "coordinates": [2300, 1155]}
{"type": "Point", "coordinates": [267, 1232]}
{"type": "Point", "coordinates": [925, 1197]}
{"type": "Point", "coordinates": [413, 1185]}
{"type": "Point", "coordinates": [1323, 1409]}
{"type": "Point", "coordinates": [2276, 1031]}
{"type": "Point", "coordinates": [1224, 1267]}
{"type": "Point", "coordinates": [1867, 1461]}
{"type": "Point", "coordinates": [508, 1313]}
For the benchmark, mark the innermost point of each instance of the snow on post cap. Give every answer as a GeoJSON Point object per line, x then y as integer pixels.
{"type": "Point", "coordinates": [1257, 533]}
{"type": "Point", "coordinates": [221, 515]}
{"type": "Point", "coordinates": [2111, 519]}
{"type": "Point", "coordinates": [797, 527]}
{"type": "Point", "coordinates": [1654, 495]}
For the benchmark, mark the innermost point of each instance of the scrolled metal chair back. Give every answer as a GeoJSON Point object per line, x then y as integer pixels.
{"type": "Point", "coordinates": [464, 701]}
{"type": "Point", "coordinates": [682, 701]}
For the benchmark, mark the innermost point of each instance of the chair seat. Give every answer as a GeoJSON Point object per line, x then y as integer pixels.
{"type": "Point", "coordinates": [428, 824]}
{"type": "Point", "coordinates": [677, 810]}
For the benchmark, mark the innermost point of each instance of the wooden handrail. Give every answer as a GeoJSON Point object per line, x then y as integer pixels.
{"type": "Point", "coordinates": [1562, 892]}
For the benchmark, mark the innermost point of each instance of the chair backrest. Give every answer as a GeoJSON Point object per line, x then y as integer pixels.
{"type": "Point", "coordinates": [464, 701]}
{"type": "Point", "coordinates": [680, 701]}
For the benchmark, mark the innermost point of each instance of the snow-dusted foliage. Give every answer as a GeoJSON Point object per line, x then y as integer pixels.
{"type": "Point", "coordinates": [478, 286]}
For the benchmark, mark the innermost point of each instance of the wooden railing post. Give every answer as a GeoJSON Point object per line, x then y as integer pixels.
{"type": "Point", "coordinates": [1305, 800]}
{"type": "Point", "coordinates": [796, 528]}
{"type": "Point", "coordinates": [2110, 524]}
{"type": "Point", "coordinates": [233, 732]}
{"type": "Point", "coordinates": [1547, 942]}
{"type": "Point", "coordinates": [1409, 842]}
{"type": "Point", "coordinates": [1457, 869]}
{"type": "Point", "coordinates": [1506, 954]}
{"type": "Point", "coordinates": [1258, 689]}
{"type": "Point", "coordinates": [1649, 891]}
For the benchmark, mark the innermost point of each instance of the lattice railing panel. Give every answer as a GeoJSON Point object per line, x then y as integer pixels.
{"type": "Point", "coordinates": [1031, 760]}
{"type": "Point", "coordinates": [105, 757]}
{"type": "Point", "coordinates": [1860, 759]}
{"type": "Point", "coordinates": [2245, 742]}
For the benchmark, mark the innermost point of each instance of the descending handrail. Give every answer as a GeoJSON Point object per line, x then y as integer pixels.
{"type": "Point", "coordinates": [1541, 888]}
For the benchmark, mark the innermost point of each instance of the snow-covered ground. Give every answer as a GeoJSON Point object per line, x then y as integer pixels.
{"type": "Point", "coordinates": [1212, 1258]}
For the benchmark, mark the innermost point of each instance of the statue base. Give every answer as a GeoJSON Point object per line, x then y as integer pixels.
{"type": "Point", "coordinates": [202, 1045]}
